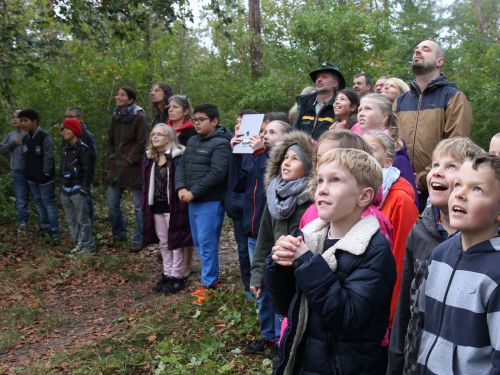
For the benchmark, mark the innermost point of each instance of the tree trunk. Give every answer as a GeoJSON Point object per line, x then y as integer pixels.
{"type": "Point", "coordinates": [479, 18]}
{"type": "Point", "coordinates": [255, 44]}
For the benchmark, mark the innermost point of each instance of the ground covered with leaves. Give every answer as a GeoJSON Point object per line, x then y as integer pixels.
{"type": "Point", "coordinates": [97, 315]}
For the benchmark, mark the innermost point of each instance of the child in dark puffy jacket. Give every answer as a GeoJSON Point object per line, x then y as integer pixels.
{"type": "Point", "coordinates": [334, 281]}
{"type": "Point", "coordinates": [201, 181]}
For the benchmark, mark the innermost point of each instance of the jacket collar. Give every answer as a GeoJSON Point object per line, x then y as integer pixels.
{"type": "Point", "coordinates": [354, 242]}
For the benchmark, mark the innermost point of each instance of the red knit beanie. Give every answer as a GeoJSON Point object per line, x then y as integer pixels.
{"type": "Point", "coordinates": [74, 125]}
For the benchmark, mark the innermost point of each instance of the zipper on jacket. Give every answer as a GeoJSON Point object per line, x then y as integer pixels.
{"type": "Point", "coordinates": [254, 208]}
{"type": "Point", "coordinates": [441, 313]}
{"type": "Point", "coordinates": [420, 97]}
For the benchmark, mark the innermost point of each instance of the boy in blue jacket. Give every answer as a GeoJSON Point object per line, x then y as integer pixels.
{"type": "Point", "coordinates": [200, 181]}
{"type": "Point", "coordinates": [461, 305]}
{"type": "Point", "coordinates": [334, 281]}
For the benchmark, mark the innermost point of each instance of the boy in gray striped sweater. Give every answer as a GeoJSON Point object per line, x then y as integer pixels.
{"type": "Point", "coordinates": [461, 305]}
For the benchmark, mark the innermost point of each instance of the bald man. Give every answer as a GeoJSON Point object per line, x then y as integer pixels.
{"type": "Point", "coordinates": [433, 109]}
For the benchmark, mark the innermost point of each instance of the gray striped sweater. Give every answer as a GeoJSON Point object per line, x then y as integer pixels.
{"type": "Point", "coordinates": [461, 310]}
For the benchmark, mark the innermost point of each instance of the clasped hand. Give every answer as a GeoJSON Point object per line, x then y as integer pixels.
{"type": "Point", "coordinates": [287, 249]}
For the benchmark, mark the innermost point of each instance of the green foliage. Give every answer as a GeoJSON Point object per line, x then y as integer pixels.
{"type": "Point", "coordinates": [78, 53]}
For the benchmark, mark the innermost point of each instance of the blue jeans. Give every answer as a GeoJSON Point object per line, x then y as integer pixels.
{"type": "Point", "coordinates": [44, 197]}
{"type": "Point", "coordinates": [270, 323]}
{"type": "Point", "coordinates": [21, 190]}
{"type": "Point", "coordinates": [205, 220]}
{"type": "Point", "coordinates": [118, 221]}
{"type": "Point", "coordinates": [244, 260]}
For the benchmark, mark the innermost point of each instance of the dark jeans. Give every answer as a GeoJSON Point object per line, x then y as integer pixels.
{"type": "Point", "coordinates": [242, 242]}
{"type": "Point", "coordinates": [21, 190]}
{"type": "Point", "coordinates": [44, 197]}
{"type": "Point", "coordinates": [118, 222]}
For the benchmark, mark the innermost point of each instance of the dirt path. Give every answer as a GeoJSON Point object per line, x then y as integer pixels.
{"type": "Point", "coordinates": [51, 302]}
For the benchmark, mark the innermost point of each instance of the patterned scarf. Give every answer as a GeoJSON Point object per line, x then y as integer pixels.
{"type": "Point", "coordinates": [127, 114]}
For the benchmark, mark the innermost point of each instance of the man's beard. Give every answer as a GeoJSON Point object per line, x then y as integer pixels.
{"type": "Point", "coordinates": [324, 90]}
{"type": "Point", "coordinates": [421, 68]}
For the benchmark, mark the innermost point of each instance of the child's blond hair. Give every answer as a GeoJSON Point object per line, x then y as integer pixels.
{"type": "Point", "coordinates": [385, 141]}
{"type": "Point", "coordinates": [345, 139]}
{"type": "Point", "coordinates": [360, 164]}
{"type": "Point", "coordinates": [458, 148]}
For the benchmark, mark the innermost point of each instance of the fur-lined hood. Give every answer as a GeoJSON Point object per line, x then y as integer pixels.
{"type": "Point", "coordinates": [176, 152]}
{"type": "Point", "coordinates": [278, 152]}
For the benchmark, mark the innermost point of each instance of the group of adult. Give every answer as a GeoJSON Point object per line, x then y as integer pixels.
{"type": "Point", "coordinates": [428, 110]}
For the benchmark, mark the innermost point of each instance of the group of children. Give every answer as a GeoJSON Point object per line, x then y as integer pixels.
{"type": "Point", "coordinates": [333, 236]}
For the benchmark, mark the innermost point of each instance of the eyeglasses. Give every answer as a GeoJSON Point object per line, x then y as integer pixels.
{"type": "Point", "coordinates": [70, 116]}
{"type": "Point", "coordinates": [158, 135]}
{"type": "Point", "coordinates": [200, 119]}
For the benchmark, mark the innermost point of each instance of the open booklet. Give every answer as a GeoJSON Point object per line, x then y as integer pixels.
{"type": "Point", "coordinates": [250, 126]}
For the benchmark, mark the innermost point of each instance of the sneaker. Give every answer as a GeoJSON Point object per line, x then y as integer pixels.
{"type": "Point", "coordinates": [200, 291]}
{"type": "Point", "coordinates": [258, 346]}
{"type": "Point", "coordinates": [21, 228]}
{"type": "Point", "coordinates": [88, 250]}
{"type": "Point", "coordinates": [176, 285]}
{"type": "Point", "coordinates": [76, 249]}
{"type": "Point", "coordinates": [163, 285]}
{"type": "Point", "coordinates": [135, 248]}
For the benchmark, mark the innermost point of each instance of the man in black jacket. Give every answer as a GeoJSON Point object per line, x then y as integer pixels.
{"type": "Point", "coordinates": [315, 111]}
{"type": "Point", "coordinates": [77, 169]}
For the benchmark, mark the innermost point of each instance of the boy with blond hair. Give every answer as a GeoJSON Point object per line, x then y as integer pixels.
{"type": "Point", "coordinates": [461, 294]}
{"type": "Point", "coordinates": [334, 280]}
{"type": "Point", "coordinates": [432, 228]}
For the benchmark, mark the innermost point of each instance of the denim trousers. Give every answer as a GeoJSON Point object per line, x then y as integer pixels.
{"type": "Point", "coordinates": [44, 197]}
{"type": "Point", "coordinates": [21, 190]}
{"type": "Point", "coordinates": [244, 260]}
{"type": "Point", "coordinates": [205, 220]}
{"type": "Point", "coordinates": [118, 222]}
{"type": "Point", "coordinates": [173, 260]}
{"type": "Point", "coordinates": [270, 323]}
{"type": "Point", "coordinates": [76, 211]}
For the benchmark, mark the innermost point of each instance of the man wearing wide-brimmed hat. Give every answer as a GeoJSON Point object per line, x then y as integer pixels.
{"type": "Point", "coordinates": [315, 111]}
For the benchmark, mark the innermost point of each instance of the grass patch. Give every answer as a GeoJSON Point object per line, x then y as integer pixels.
{"type": "Point", "coordinates": [175, 337]}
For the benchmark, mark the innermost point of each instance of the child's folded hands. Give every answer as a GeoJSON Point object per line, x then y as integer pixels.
{"type": "Point", "coordinates": [287, 249]}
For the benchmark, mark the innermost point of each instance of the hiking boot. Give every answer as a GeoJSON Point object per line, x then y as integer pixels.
{"type": "Point", "coordinates": [258, 346]}
{"type": "Point", "coordinates": [135, 248]}
{"type": "Point", "coordinates": [176, 285]}
{"type": "Point", "coordinates": [88, 250]}
{"type": "Point", "coordinates": [163, 285]}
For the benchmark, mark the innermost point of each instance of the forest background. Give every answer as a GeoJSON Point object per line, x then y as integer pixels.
{"type": "Point", "coordinates": [236, 54]}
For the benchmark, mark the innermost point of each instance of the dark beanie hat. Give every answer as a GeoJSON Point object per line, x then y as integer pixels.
{"type": "Point", "coordinates": [74, 125]}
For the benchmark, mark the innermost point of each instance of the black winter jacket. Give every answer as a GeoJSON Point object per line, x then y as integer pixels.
{"type": "Point", "coordinates": [77, 165]}
{"type": "Point", "coordinates": [204, 165]}
{"type": "Point", "coordinates": [307, 120]}
{"type": "Point", "coordinates": [341, 296]}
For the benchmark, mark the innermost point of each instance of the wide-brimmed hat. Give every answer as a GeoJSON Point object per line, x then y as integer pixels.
{"type": "Point", "coordinates": [330, 68]}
